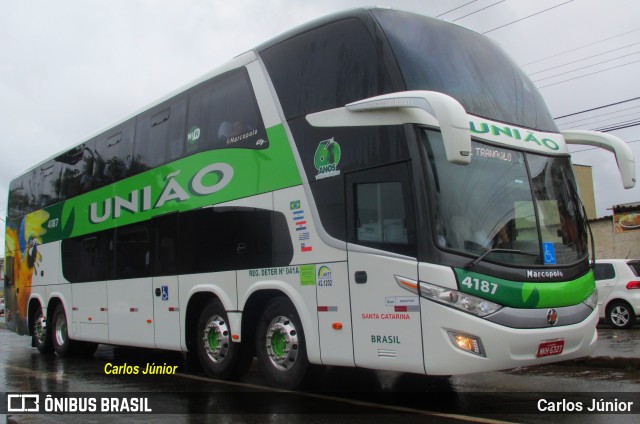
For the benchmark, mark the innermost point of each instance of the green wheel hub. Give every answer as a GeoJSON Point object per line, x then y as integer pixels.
{"type": "Point", "coordinates": [216, 338]}
{"type": "Point", "coordinates": [282, 343]}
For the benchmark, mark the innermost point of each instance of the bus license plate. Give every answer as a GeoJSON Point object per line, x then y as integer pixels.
{"type": "Point", "coordinates": [553, 347]}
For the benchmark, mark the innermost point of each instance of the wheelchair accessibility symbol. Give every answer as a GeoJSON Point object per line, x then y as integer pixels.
{"type": "Point", "coordinates": [549, 252]}
{"type": "Point", "coordinates": [165, 292]}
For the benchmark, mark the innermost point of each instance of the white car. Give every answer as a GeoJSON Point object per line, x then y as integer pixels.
{"type": "Point", "coordinates": [618, 282]}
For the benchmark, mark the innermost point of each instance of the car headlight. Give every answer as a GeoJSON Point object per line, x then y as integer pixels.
{"type": "Point", "coordinates": [456, 299]}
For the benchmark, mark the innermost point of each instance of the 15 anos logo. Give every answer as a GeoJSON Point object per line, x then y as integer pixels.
{"type": "Point", "coordinates": [327, 158]}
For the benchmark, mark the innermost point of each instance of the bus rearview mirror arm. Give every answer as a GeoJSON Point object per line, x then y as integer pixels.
{"type": "Point", "coordinates": [427, 108]}
{"type": "Point", "coordinates": [624, 156]}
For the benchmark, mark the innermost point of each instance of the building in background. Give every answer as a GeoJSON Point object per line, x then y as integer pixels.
{"type": "Point", "coordinates": [616, 236]}
{"type": "Point", "coordinates": [584, 178]}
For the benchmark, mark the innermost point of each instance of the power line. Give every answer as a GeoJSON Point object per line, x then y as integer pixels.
{"type": "Point", "coordinates": [580, 60]}
{"type": "Point", "coordinates": [608, 129]}
{"type": "Point", "coordinates": [585, 67]}
{"type": "Point", "coordinates": [581, 47]}
{"type": "Point", "coordinates": [598, 148]}
{"type": "Point", "coordinates": [602, 120]}
{"type": "Point", "coordinates": [602, 114]}
{"type": "Point", "coordinates": [599, 107]}
{"type": "Point", "coordinates": [459, 7]}
{"type": "Point", "coordinates": [619, 123]}
{"type": "Point", "coordinates": [479, 10]}
{"type": "Point", "coordinates": [586, 75]}
{"type": "Point", "coordinates": [526, 17]}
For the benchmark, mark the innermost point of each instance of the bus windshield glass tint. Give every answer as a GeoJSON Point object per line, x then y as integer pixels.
{"type": "Point", "coordinates": [437, 56]}
{"type": "Point", "coordinates": [506, 199]}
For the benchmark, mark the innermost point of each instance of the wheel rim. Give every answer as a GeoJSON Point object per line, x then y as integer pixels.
{"type": "Point", "coordinates": [216, 338]}
{"type": "Point", "coordinates": [282, 343]}
{"type": "Point", "coordinates": [60, 330]}
{"type": "Point", "coordinates": [41, 329]}
{"type": "Point", "coordinates": [619, 316]}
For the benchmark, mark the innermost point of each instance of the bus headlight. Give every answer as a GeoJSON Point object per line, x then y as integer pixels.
{"type": "Point", "coordinates": [454, 298]}
{"type": "Point", "coordinates": [592, 300]}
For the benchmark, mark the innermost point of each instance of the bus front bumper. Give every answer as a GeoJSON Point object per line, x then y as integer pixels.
{"type": "Point", "coordinates": [501, 347]}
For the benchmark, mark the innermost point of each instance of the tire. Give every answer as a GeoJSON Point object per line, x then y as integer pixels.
{"type": "Point", "coordinates": [217, 354]}
{"type": "Point", "coordinates": [280, 345]}
{"type": "Point", "coordinates": [60, 334]}
{"type": "Point", "coordinates": [40, 334]}
{"type": "Point", "coordinates": [620, 315]}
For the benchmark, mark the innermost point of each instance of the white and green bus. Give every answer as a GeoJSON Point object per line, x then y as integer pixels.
{"type": "Point", "coordinates": [375, 189]}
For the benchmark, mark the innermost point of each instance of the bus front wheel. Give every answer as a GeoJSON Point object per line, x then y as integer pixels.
{"type": "Point", "coordinates": [280, 345]}
{"type": "Point", "coordinates": [217, 353]}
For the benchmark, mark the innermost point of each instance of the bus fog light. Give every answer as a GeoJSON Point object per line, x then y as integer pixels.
{"type": "Point", "coordinates": [467, 343]}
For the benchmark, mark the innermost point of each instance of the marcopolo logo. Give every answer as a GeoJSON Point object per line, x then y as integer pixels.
{"type": "Point", "coordinates": [142, 199]}
{"type": "Point", "coordinates": [545, 274]}
{"type": "Point", "coordinates": [327, 158]}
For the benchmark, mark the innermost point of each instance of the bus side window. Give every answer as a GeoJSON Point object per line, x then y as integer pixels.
{"type": "Point", "coordinates": [159, 134]}
{"type": "Point", "coordinates": [224, 114]}
{"type": "Point", "coordinates": [165, 233]}
{"type": "Point", "coordinates": [380, 213]}
{"type": "Point", "coordinates": [132, 251]}
{"type": "Point", "coordinates": [87, 258]}
{"type": "Point", "coordinates": [380, 210]}
{"type": "Point", "coordinates": [114, 154]}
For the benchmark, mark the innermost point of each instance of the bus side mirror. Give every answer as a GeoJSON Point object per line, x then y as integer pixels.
{"type": "Point", "coordinates": [624, 156]}
{"type": "Point", "coordinates": [427, 108]}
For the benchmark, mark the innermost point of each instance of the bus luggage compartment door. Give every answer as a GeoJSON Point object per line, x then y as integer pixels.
{"type": "Point", "coordinates": [386, 317]}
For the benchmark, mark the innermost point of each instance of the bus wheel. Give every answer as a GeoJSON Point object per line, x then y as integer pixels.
{"type": "Point", "coordinates": [280, 345]}
{"type": "Point", "coordinates": [41, 337]}
{"type": "Point", "coordinates": [217, 354]}
{"type": "Point", "coordinates": [60, 334]}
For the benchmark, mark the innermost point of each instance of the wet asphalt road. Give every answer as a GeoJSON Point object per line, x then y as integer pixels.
{"type": "Point", "coordinates": [334, 395]}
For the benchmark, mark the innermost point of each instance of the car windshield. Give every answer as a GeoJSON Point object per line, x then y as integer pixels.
{"type": "Point", "coordinates": [507, 200]}
{"type": "Point", "coordinates": [438, 56]}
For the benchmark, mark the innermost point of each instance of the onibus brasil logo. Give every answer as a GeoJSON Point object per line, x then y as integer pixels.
{"type": "Point", "coordinates": [327, 158]}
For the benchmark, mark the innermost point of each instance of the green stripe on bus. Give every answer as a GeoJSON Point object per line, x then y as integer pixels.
{"type": "Point", "coordinates": [202, 179]}
{"type": "Point", "coordinates": [529, 294]}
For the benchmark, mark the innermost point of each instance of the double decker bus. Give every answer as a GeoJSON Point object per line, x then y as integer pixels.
{"type": "Point", "coordinates": [374, 189]}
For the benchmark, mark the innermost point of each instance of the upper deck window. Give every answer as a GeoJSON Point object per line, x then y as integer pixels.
{"type": "Point", "coordinates": [438, 56]}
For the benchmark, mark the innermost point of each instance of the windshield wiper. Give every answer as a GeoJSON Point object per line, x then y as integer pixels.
{"type": "Point", "coordinates": [477, 260]}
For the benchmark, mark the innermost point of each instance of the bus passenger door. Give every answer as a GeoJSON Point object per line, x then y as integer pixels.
{"type": "Point", "coordinates": [166, 303]}
{"type": "Point", "coordinates": [386, 317]}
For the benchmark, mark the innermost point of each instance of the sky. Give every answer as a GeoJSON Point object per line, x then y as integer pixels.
{"type": "Point", "coordinates": [72, 67]}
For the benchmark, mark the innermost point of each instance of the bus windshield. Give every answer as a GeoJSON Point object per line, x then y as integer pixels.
{"type": "Point", "coordinates": [437, 56]}
{"type": "Point", "coordinates": [507, 199]}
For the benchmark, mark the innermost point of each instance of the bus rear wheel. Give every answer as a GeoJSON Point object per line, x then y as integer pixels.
{"type": "Point", "coordinates": [41, 337]}
{"type": "Point", "coordinates": [60, 333]}
{"type": "Point", "coordinates": [280, 345]}
{"type": "Point", "coordinates": [217, 354]}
